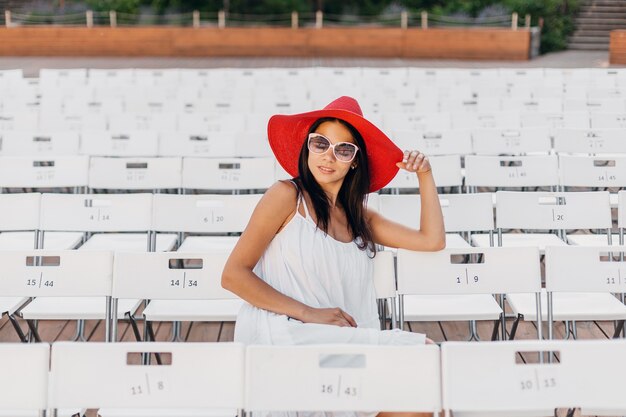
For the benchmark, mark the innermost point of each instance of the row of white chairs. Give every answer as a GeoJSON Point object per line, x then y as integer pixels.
{"type": "Point", "coordinates": [514, 268]}
{"type": "Point", "coordinates": [204, 379]}
{"type": "Point", "coordinates": [483, 141]}
{"type": "Point", "coordinates": [239, 174]}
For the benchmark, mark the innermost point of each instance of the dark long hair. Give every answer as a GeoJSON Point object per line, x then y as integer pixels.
{"type": "Point", "coordinates": [352, 194]}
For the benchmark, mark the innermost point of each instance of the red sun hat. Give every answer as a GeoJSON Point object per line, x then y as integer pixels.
{"type": "Point", "coordinates": [286, 134]}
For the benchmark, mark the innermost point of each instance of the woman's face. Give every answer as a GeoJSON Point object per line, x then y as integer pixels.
{"type": "Point", "coordinates": [326, 169]}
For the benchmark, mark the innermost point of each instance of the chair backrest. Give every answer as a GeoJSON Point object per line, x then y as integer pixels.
{"type": "Point", "coordinates": [25, 382]}
{"type": "Point", "coordinates": [135, 173]}
{"type": "Point", "coordinates": [469, 271]}
{"type": "Point", "coordinates": [170, 275]}
{"type": "Point", "coordinates": [19, 211]}
{"type": "Point", "coordinates": [20, 143]}
{"type": "Point", "coordinates": [586, 375]}
{"type": "Point", "coordinates": [592, 171]}
{"type": "Point", "coordinates": [585, 269]}
{"type": "Point", "coordinates": [384, 275]}
{"type": "Point", "coordinates": [66, 273]}
{"type": "Point", "coordinates": [549, 211]}
{"type": "Point", "coordinates": [206, 213]}
{"type": "Point", "coordinates": [446, 172]}
{"type": "Point", "coordinates": [511, 141]}
{"type": "Point", "coordinates": [207, 142]}
{"type": "Point", "coordinates": [228, 173]}
{"type": "Point", "coordinates": [43, 171]}
{"type": "Point", "coordinates": [406, 209]}
{"type": "Point", "coordinates": [435, 142]}
{"type": "Point", "coordinates": [511, 171]}
{"type": "Point", "coordinates": [96, 212]}
{"type": "Point", "coordinates": [120, 143]}
{"type": "Point", "coordinates": [343, 378]}
{"type": "Point", "coordinates": [589, 141]}
{"type": "Point", "coordinates": [574, 120]}
{"type": "Point", "coordinates": [608, 120]}
{"type": "Point", "coordinates": [200, 375]}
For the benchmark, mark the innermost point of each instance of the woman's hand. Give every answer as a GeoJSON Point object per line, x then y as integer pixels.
{"type": "Point", "coordinates": [414, 161]}
{"type": "Point", "coordinates": [332, 316]}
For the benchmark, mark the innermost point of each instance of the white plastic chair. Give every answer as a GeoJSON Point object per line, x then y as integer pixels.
{"type": "Point", "coordinates": [511, 171]}
{"type": "Point", "coordinates": [25, 389]}
{"type": "Point", "coordinates": [52, 274]}
{"type": "Point", "coordinates": [446, 172]}
{"type": "Point", "coordinates": [511, 141]}
{"type": "Point", "coordinates": [43, 171]}
{"type": "Point", "coordinates": [135, 173]}
{"type": "Point", "coordinates": [116, 143]}
{"type": "Point", "coordinates": [208, 144]}
{"type": "Point", "coordinates": [586, 376]}
{"type": "Point", "coordinates": [555, 120]}
{"type": "Point", "coordinates": [608, 120]}
{"type": "Point", "coordinates": [199, 379]}
{"type": "Point", "coordinates": [472, 120]}
{"type": "Point", "coordinates": [22, 143]}
{"type": "Point", "coordinates": [343, 378]}
{"type": "Point", "coordinates": [482, 271]}
{"type": "Point", "coordinates": [228, 173]}
{"type": "Point", "coordinates": [435, 142]}
{"type": "Point", "coordinates": [589, 141]}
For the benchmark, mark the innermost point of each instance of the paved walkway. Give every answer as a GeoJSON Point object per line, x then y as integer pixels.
{"type": "Point", "coordinates": [566, 59]}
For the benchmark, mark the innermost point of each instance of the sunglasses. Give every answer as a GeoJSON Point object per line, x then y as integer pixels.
{"type": "Point", "coordinates": [344, 151]}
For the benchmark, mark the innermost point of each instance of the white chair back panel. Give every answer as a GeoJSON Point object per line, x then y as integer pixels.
{"type": "Point", "coordinates": [586, 376]}
{"type": "Point", "coordinates": [592, 171]}
{"type": "Point", "coordinates": [208, 123]}
{"type": "Point", "coordinates": [511, 141]}
{"type": "Point", "coordinates": [120, 143]}
{"type": "Point", "coordinates": [253, 144]}
{"type": "Point", "coordinates": [471, 120]}
{"type": "Point", "coordinates": [19, 211]}
{"type": "Point", "coordinates": [373, 201]}
{"type": "Point", "coordinates": [590, 141]}
{"type": "Point", "coordinates": [157, 121]}
{"type": "Point", "coordinates": [595, 105]}
{"type": "Point", "coordinates": [19, 120]}
{"type": "Point", "coordinates": [608, 120]}
{"type": "Point", "coordinates": [342, 378]}
{"type": "Point", "coordinates": [135, 173]}
{"type": "Point", "coordinates": [59, 77]}
{"type": "Point", "coordinates": [170, 275]}
{"type": "Point", "coordinates": [435, 142]}
{"type": "Point", "coordinates": [67, 273]}
{"type": "Point", "coordinates": [540, 105]}
{"type": "Point", "coordinates": [446, 172]}
{"type": "Point", "coordinates": [11, 76]}
{"type": "Point", "coordinates": [406, 209]}
{"type": "Point", "coordinates": [585, 269]}
{"type": "Point", "coordinates": [485, 271]}
{"type": "Point", "coordinates": [25, 385]}
{"type": "Point", "coordinates": [511, 171]}
{"type": "Point", "coordinates": [228, 174]}
{"type": "Point", "coordinates": [96, 212]}
{"type": "Point", "coordinates": [198, 144]}
{"type": "Point", "coordinates": [89, 107]}
{"type": "Point", "coordinates": [44, 171]}
{"type": "Point", "coordinates": [556, 120]}
{"type": "Point", "coordinates": [201, 375]}
{"type": "Point", "coordinates": [19, 143]}
{"type": "Point", "coordinates": [72, 122]}
{"type": "Point", "coordinates": [209, 213]}
{"type": "Point", "coordinates": [416, 122]}
{"type": "Point", "coordinates": [544, 210]}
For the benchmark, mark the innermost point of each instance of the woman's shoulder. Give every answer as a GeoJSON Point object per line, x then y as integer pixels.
{"type": "Point", "coordinates": [281, 193]}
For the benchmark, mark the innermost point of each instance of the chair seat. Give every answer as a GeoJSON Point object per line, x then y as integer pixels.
{"type": "Point", "coordinates": [202, 243]}
{"type": "Point", "coordinates": [165, 412]}
{"type": "Point", "coordinates": [128, 242]}
{"type": "Point", "coordinates": [451, 307]}
{"type": "Point", "coordinates": [52, 240]}
{"type": "Point", "coordinates": [512, 240]}
{"type": "Point", "coordinates": [75, 308]}
{"type": "Point", "coordinates": [11, 304]}
{"type": "Point", "coordinates": [588, 239]}
{"type": "Point", "coordinates": [193, 310]}
{"type": "Point", "coordinates": [569, 306]}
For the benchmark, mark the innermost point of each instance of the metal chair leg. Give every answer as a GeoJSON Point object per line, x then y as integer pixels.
{"type": "Point", "coordinates": [17, 328]}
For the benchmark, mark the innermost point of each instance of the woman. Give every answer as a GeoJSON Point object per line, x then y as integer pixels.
{"type": "Point", "coordinates": [304, 262]}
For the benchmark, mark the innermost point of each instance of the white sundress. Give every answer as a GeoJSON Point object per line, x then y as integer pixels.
{"type": "Point", "coordinates": [312, 267]}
